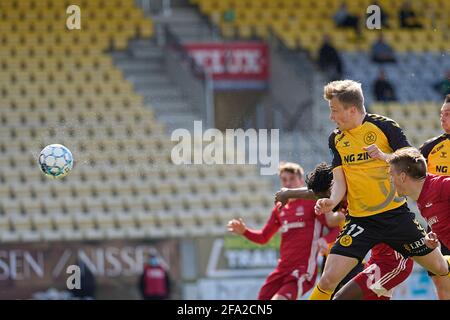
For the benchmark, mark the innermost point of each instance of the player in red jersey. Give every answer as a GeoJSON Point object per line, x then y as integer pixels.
{"type": "Point", "coordinates": [432, 193]}
{"type": "Point", "coordinates": [385, 269]}
{"type": "Point", "coordinates": [436, 151]}
{"type": "Point", "coordinates": [301, 235]}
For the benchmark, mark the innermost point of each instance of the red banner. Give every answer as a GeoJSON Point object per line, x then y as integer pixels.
{"type": "Point", "coordinates": [239, 61]}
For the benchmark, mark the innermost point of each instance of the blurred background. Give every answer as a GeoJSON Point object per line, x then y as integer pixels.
{"type": "Point", "coordinates": [114, 90]}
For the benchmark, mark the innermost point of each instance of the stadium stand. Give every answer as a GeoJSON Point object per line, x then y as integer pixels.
{"type": "Point", "coordinates": [64, 88]}
{"type": "Point", "coordinates": [422, 53]}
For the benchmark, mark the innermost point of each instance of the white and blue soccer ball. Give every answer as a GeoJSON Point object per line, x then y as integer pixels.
{"type": "Point", "coordinates": [56, 161]}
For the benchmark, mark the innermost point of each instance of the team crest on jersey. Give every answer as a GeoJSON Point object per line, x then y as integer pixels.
{"type": "Point", "coordinates": [443, 154]}
{"type": "Point", "coordinates": [370, 137]}
{"type": "Point", "coordinates": [346, 144]}
{"type": "Point", "coordinates": [346, 240]}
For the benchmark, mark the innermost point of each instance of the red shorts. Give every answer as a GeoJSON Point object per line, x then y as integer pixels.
{"type": "Point", "coordinates": [291, 284]}
{"type": "Point", "coordinates": [378, 279]}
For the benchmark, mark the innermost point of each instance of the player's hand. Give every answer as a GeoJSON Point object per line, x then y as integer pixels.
{"type": "Point", "coordinates": [324, 205]}
{"type": "Point", "coordinates": [281, 198]}
{"type": "Point", "coordinates": [236, 226]}
{"type": "Point", "coordinates": [375, 152]}
{"type": "Point", "coordinates": [431, 240]}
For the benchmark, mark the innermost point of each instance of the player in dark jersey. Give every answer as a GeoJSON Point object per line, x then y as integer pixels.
{"type": "Point", "coordinates": [437, 153]}
{"type": "Point", "coordinates": [385, 269]}
{"type": "Point", "coordinates": [432, 193]}
{"type": "Point", "coordinates": [360, 146]}
{"type": "Point", "coordinates": [301, 230]}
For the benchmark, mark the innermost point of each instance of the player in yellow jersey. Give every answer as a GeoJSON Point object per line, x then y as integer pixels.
{"type": "Point", "coordinates": [360, 148]}
{"type": "Point", "coordinates": [437, 150]}
{"type": "Point", "coordinates": [437, 153]}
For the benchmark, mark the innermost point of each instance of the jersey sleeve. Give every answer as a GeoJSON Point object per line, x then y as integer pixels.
{"type": "Point", "coordinates": [266, 233]}
{"type": "Point", "coordinates": [394, 134]}
{"type": "Point", "coordinates": [428, 146]}
{"type": "Point", "coordinates": [332, 234]}
{"type": "Point", "coordinates": [336, 160]}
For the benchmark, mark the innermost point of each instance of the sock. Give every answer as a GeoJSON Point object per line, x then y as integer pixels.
{"type": "Point", "coordinates": [320, 294]}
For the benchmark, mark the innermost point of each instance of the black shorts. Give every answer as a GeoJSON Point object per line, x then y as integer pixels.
{"type": "Point", "coordinates": [444, 250]}
{"type": "Point", "coordinates": [398, 228]}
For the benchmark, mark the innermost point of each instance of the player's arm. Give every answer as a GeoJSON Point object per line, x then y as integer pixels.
{"type": "Point", "coordinates": [282, 197]}
{"type": "Point", "coordinates": [338, 191]}
{"type": "Point", "coordinates": [262, 236]}
{"type": "Point", "coordinates": [334, 219]}
{"type": "Point", "coordinates": [375, 153]}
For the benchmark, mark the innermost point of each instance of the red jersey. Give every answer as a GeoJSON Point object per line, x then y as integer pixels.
{"type": "Point", "coordinates": [300, 228]}
{"type": "Point", "coordinates": [434, 205]}
{"type": "Point", "coordinates": [155, 281]}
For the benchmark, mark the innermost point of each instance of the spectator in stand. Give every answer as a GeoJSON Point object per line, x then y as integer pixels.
{"type": "Point", "coordinates": [407, 16]}
{"type": "Point", "coordinates": [443, 86]}
{"type": "Point", "coordinates": [154, 283]}
{"type": "Point", "coordinates": [381, 51]}
{"type": "Point", "coordinates": [344, 19]}
{"type": "Point", "coordinates": [329, 60]}
{"type": "Point", "coordinates": [383, 89]}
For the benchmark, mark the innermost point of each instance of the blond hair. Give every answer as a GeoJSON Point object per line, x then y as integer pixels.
{"type": "Point", "coordinates": [291, 167]}
{"type": "Point", "coordinates": [348, 92]}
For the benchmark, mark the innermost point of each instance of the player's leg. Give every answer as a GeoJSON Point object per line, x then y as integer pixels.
{"type": "Point", "coordinates": [434, 262]}
{"type": "Point", "coordinates": [352, 287]}
{"type": "Point", "coordinates": [350, 291]}
{"type": "Point", "coordinates": [336, 268]}
{"type": "Point", "coordinates": [406, 236]}
{"type": "Point", "coordinates": [442, 284]}
{"type": "Point", "coordinates": [353, 273]}
{"type": "Point", "coordinates": [356, 238]}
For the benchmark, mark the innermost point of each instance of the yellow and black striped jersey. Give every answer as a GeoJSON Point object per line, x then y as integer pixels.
{"type": "Point", "coordinates": [369, 187]}
{"type": "Point", "coordinates": [437, 152]}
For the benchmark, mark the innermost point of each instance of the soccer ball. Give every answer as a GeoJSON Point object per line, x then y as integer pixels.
{"type": "Point", "coordinates": [55, 161]}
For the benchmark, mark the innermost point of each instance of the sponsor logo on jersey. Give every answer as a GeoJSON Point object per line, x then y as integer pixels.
{"type": "Point", "coordinates": [432, 220]}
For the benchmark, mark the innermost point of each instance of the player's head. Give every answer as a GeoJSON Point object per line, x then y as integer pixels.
{"type": "Point", "coordinates": [445, 114]}
{"type": "Point", "coordinates": [407, 167]}
{"type": "Point", "coordinates": [153, 260]}
{"type": "Point", "coordinates": [346, 102]}
{"type": "Point", "coordinates": [320, 179]}
{"type": "Point", "coordinates": [291, 175]}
